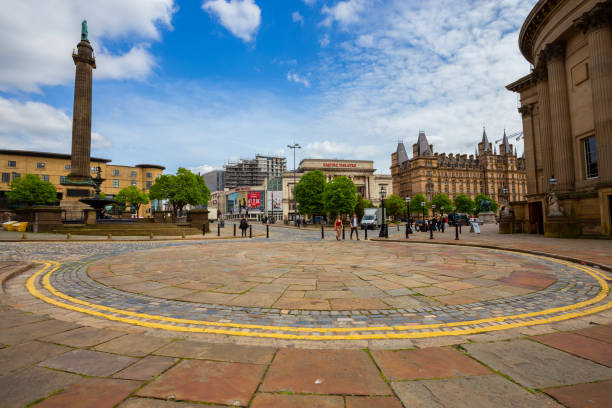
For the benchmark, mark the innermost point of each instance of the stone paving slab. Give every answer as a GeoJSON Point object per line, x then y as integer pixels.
{"type": "Point", "coordinates": [442, 362]}
{"type": "Point", "coordinates": [536, 366]}
{"type": "Point", "coordinates": [218, 351]}
{"type": "Point", "coordinates": [156, 403]}
{"type": "Point", "coordinates": [25, 386]}
{"type": "Point", "coordinates": [592, 395]}
{"type": "Point", "coordinates": [469, 392]}
{"type": "Point", "coordinates": [207, 381]}
{"type": "Point", "coordinates": [88, 362]}
{"type": "Point", "coordinates": [17, 318]}
{"type": "Point", "coordinates": [24, 333]}
{"type": "Point", "coordinates": [297, 401]}
{"type": "Point", "coordinates": [324, 372]}
{"type": "Point", "coordinates": [147, 368]}
{"type": "Point", "coordinates": [92, 393]}
{"type": "Point", "coordinates": [581, 346]}
{"type": "Point", "coordinates": [28, 353]}
{"type": "Point", "coordinates": [600, 332]}
{"type": "Point", "coordinates": [135, 345]}
{"type": "Point", "coordinates": [83, 337]}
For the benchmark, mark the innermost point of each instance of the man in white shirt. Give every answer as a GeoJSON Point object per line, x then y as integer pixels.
{"type": "Point", "coordinates": [354, 226]}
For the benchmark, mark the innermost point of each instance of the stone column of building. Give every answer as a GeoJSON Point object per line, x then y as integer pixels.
{"type": "Point", "coordinates": [546, 139]}
{"type": "Point", "coordinates": [560, 116]}
{"type": "Point", "coordinates": [526, 112]}
{"type": "Point", "coordinates": [81, 117]}
{"type": "Point", "coordinates": [596, 24]}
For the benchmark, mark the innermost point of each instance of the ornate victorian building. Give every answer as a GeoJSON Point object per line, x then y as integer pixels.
{"type": "Point", "coordinates": [566, 105]}
{"type": "Point", "coordinates": [485, 172]}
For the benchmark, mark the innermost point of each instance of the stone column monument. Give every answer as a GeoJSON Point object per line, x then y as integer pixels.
{"type": "Point", "coordinates": [81, 119]}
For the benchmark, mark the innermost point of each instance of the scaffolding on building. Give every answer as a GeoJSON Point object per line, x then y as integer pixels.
{"type": "Point", "coordinates": [253, 172]}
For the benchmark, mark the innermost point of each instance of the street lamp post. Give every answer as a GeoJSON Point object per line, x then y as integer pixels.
{"type": "Point", "coordinates": [423, 206]}
{"type": "Point", "coordinates": [383, 227]}
{"type": "Point", "coordinates": [408, 226]}
{"type": "Point", "coordinates": [442, 218]}
{"type": "Point", "coordinates": [294, 147]}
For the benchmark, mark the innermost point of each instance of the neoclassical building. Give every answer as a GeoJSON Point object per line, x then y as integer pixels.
{"type": "Point", "coordinates": [566, 106]}
{"type": "Point", "coordinates": [485, 172]}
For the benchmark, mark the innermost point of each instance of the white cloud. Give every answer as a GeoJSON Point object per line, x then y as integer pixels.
{"type": "Point", "coordinates": [309, 2]}
{"type": "Point", "coordinates": [240, 17]}
{"type": "Point", "coordinates": [202, 169]}
{"type": "Point", "coordinates": [37, 38]}
{"type": "Point", "coordinates": [341, 150]}
{"type": "Point", "coordinates": [38, 126]}
{"type": "Point", "coordinates": [297, 17]}
{"type": "Point", "coordinates": [324, 41]}
{"type": "Point", "coordinates": [344, 12]}
{"type": "Point", "coordinates": [293, 77]}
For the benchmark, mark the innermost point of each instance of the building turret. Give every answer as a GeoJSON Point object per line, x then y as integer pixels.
{"type": "Point", "coordinates": [484, 146]}
{"type": "Point", "coordinates": [422, 146]}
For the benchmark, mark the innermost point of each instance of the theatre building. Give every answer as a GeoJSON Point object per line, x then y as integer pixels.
{"type": "Point", "coordinates": [361, 172]}
{"type": "Point", "coordinates": [566, 107]}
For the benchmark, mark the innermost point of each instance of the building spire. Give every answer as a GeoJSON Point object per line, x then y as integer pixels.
{"type": "Point", "coordinates": [485, 140]}
{"type": "Point", "coordinates": [423, 145]}
{"type": "Point", "coordinates": [506, 144]}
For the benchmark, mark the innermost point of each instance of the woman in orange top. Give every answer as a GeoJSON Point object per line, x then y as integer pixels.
{"type": "Point", "coordinates": [338, 227]}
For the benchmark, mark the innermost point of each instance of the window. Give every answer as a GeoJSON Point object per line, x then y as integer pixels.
{"type": "Point", "coordinates": [93, 169]}
{"type": "Point", "coordinates": [133, 174]}
{"type": "Point", "coordinates": [68, 167]}
{"type": "Point", "coordinates": [45, 177]}
{"type": "Point", "coordinates": [590, 157]}
{"type": "Point", "coordinates": [6, 177]}
{"type": "Point", "coordinates": [115, 172]}
{"type": "Point", "coordinates": [133, 182]}
{"type": "Point", "coordinates": [40, 165]}
{"type": "Point", "coordinates": [12, 163]}
{"type": "Point", "coordinates": [16, 176]}
{"type": "Point", "coordinates": [62, 179]}
{"type": "Point", "coordinates": [149, 175]}
{"type": "Point", "coordinates": [149, 183]}
{"type": "Point", "coordinates": [116, 183]}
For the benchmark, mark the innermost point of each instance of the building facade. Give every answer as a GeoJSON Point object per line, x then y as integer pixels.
{"type": "Point", "coordinates": [215, 180]}
{"type": "Point", "coordinates": [360, 171]}
{"type": "Point", "coordinates": [55, 168]}
{"type": "Point", "coordinates": [486, 172]}
{"type": "Point", "coordinates": [253, 172]}
{"type": "Point", "coordinates": [566, 106]}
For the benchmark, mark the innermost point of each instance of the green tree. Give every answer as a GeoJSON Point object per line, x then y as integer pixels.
{"type": "Point", "coordinates": [395, 206]}
{"type": "Point", "coordinates": [442, 200]}
{"type": "Point", "coordinates": [181, 189]}
{"type": "Point", "coordinates": [309, 193]}
{"type": "Point", "coordinates": [464, 204]}
{"type": "Point", "coordinates": [133, 196]}
{"type": "Point", "coordinates": [415, 204]}
{"type": "Point", "coordinates": [31, 190]}
{"type": "Point", "coordinates": [340, 196]}
{"type": "Point", "coordinates": [362, 204]}
{"type": "Point", "coordinates": [479, 197]}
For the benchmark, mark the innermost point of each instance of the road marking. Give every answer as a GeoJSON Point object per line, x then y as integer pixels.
{"type": "Point", "coordinates": [393, 332]}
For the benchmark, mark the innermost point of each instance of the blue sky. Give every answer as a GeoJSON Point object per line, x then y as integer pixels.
{"type": "Point", "coordinates": [199, 83]}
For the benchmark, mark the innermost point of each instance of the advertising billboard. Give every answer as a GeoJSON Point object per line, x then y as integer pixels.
{"type": "Point", "coordinates": [232, 204]}
{"type": "Point", "coordinates": [254, 200]}
{"type": "Point", "coordinates": [275, 200]}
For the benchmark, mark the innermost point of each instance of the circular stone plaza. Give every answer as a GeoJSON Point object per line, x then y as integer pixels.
{"type": "Point", "coordinates": [294, 320]}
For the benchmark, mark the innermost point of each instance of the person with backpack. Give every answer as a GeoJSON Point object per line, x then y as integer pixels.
{"type": "Point", "coordinates": [338, 227]}
{"type": "Point", "coordinates": [244, 225]}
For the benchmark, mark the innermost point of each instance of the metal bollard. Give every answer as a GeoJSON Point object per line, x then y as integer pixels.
{"type": "Point", "coordinates": [218, 229]}
{"type": "Point", "coordinates": [267, 231]}
{"type": "Point", "coordinates": [250, 231]}
{"type": "Point", "coordinates": [366, 233]}
{"type": "Point", "coordinates": [456, 232]}
{"type": "Point", "coordinates": [397, 227]}
{"type": "Point", "coordinates": [234, 229]}
{"type": "Point", "coordinates": [343, 233]}
{"type": "Point", "coordinates": [203, 229]}
{"type": "Point", "coordinates": [460, 228]}
{"type": "Point", "coordinates": [407, 231]}
{"type": "Point", "coordinates": [322, 232]}
{"type": "Point", "coordinates": [431, 231]}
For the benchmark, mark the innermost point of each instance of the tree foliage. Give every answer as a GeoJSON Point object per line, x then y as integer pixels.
{"type": "Point", "coordinates": [181, 189]}
{"type": "Point", "coordinates": [415, 204]}
{"type": "Point", "coordinates": [464, 204]}
{"type": "Point", "coordinates": [133, 196]}
{"type": "Point", "coordinates": [479, 197]}
{"type": "Point", "coordinates": [442, 200]}
{"type": "Point", "coordinates": [395, 206]}
{"type": "Point", "coordinates": [309, 193]}
{"type": "Point", "coordinates": [31, 190]}
{"type": "Point", "coordinates": [340, 196]}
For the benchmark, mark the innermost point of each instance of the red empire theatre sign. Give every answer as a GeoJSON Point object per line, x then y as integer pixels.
{"type": "Point", "coordinates": [339, 165]}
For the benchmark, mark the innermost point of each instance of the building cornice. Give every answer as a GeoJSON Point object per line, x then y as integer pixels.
{"type": "Point", "coordinates": [538, 16]}
{"type": "Point", "coordinates": [49, 155]}
{"type": "Point", "coordinates": [521, 84]}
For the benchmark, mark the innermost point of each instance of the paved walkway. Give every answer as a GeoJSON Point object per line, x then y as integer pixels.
{"type": "Point", "coordinates": [91, 354]}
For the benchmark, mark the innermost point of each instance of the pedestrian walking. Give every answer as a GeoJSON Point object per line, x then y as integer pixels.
{"type": "Point", "coordinates": [244, 225]}
{"type": "Point", "coordinates": [354, 226]}
{"type": "Point", "coordinates": [338, 227]}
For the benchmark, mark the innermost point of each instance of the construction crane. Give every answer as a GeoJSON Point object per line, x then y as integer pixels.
{"type": "Point", "coordinates": [517, 135]}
